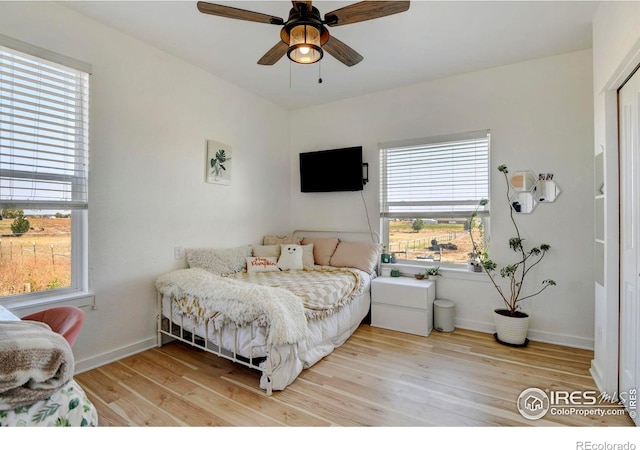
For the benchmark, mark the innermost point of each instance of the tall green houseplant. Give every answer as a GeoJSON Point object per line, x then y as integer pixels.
{"type": "Point", "coordinates": [514, 274]}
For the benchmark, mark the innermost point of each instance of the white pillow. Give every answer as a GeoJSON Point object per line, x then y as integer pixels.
{"type": "Point", "coordinates": [290, 257]}
{"type": "Point", "coordinates": [262, 264]}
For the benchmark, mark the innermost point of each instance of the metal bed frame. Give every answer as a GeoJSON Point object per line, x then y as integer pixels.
{"type": "Point", "coordinates": [169, 327]}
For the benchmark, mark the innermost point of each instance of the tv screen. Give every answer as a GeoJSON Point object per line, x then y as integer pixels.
{"type": "Point", "coordinates": [331, 170]}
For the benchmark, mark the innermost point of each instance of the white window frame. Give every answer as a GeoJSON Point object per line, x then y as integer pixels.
{"type": "Point", "coordinates": [78, 293]}
{"type": "Point", "coordinates": [428, 208]}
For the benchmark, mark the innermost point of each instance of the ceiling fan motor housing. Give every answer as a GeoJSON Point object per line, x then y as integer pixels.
{"type": "Point", "coordinates": [305, 34]}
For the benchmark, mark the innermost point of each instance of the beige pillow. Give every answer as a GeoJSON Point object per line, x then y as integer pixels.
{"type": "Point", "coordinates": [281, 239]}
{"type": "Point", "coordinates": [266, 251]}
{"type": "Point", "coordinates": [361, 255]}
{"type": "Point", "coordinates": [307, 256]}
{"type": "Point", "coordinates": [323, 249]}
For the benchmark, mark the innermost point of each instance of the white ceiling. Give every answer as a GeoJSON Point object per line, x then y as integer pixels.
{"type": "Point", "coordinates": [433, 39]}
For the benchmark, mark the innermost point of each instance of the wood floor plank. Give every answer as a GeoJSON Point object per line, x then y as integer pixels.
{"type": "Point", "coordinates": [107, 417]}
{"type": "Point", "coordinates": [377, 378]}
{"type": "Point", "coordinates": [165, 399]}
{"type": "Point", "coordinates": [244, 392]}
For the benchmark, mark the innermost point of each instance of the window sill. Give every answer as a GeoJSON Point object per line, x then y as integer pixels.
{"type": "Point", "coordinates": [25, 304]}
{"type": "Point", "coordinates": [408, 269]}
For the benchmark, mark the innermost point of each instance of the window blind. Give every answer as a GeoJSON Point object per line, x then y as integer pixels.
{"type": "Point", "coordinates": [43, 133]}
{"type": "Point", "coordinates": [439, 178]}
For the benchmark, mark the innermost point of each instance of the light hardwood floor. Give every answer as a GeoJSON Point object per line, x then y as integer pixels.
{"type": "Point", "coordinates": [377, 378]}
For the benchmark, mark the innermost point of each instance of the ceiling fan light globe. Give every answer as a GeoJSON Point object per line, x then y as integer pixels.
{"type": "Point", "coordinates": [304, 44]}
{"type": "Point", "coordinates": [310, 56]}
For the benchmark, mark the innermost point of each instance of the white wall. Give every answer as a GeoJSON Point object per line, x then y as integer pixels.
{"type": "Point", "coordinates": [150, 114]}
{"type": "Point", "coordinates": [540, 114]}
{"type": "Point", "coordinates": [616, 52]}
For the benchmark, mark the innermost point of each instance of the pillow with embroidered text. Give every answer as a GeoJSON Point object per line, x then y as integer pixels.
{"type": "Point", "coordinates": [262, 264]}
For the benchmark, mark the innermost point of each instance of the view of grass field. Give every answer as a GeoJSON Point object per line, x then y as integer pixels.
{"type": "Point", "coordinates": [38, 260]}
{"type": "Point", "coordinates": [453, 244]}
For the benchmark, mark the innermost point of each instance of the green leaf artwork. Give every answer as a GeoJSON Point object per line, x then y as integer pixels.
{"type": "Point", "coordinates": [218, 163]}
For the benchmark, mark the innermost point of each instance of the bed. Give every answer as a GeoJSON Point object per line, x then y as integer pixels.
{"type": "Point", "coordinates": [278, 307]}
{"type": "Point", "coordinates": [36, 377]}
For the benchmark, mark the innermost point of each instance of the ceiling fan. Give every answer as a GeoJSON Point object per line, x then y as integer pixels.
{"type": "Point", "coordinates": [304, 36]}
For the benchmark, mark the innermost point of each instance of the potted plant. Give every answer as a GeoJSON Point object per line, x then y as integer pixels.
{"type": "Point", "coordinates": [385, 257]}
{"type": "Point", "coordinates": [432, 273]}
{"type": "Point", "coordinates": [511, 323]}
{"type": "Point", "coordinates": [473, 264]}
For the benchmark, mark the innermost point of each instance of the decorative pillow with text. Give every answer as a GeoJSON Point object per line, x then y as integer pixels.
{"type": "Point", "coordinates": [262, 264]}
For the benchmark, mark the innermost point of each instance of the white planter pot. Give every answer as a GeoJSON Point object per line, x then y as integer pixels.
{"type": "Point", "coordinates": [511, 329]}
{"type": "Point", "coordinates": [432, 278]}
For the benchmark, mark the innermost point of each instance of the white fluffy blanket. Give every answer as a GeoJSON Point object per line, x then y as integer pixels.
{"type": "Point", "coordinates": [205, 295]}
{"type": "Point", "coordinates": [35, 362]}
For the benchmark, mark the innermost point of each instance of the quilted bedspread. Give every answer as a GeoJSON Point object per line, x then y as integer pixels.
{"type": "Point", "coordinates": [324, 290]}
{"type": "Point", "coordinates": [67, 407]}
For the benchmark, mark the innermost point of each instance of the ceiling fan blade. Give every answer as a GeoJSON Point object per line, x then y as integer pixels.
{"type": "Point", "coordinates": [368, 10]}
{"type": "Point", "coordinates": [342, 52]}
{"type": "Point", "coordinates": [274, 54]}
{"type": "Point", "coordinates": [237, 13]}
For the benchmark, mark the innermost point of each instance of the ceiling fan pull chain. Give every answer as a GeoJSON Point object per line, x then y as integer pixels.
{"type": "Point", "coordinates": [319, 71]}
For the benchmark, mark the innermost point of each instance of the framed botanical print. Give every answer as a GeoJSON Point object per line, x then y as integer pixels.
{"type": "Point", "coordinates": [219, 163]}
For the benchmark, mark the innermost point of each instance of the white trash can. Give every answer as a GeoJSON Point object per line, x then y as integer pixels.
{"type": "Point", "coordinates": [444, 314]}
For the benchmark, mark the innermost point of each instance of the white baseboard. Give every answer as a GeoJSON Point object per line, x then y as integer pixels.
{"type": "Point", "coordinates": [105, 358]}
{"type": "Point", "coordinates": [534, 335]}
{"type": "Point", "coordinates": [596, 374]}
{"type": "Point", "coordinates": [483, 327]}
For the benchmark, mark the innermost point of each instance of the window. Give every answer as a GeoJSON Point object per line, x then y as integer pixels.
{"type": "Point", "coordinates": [429, 188]}
{"type": "Point", "coordinates": [43, 171]}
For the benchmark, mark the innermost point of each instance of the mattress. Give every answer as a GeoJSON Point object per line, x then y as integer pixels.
{"type": "Point", "coordinates": [331, 319]}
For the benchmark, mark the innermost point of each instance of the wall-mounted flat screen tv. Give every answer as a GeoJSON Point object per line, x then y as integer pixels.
{"type": "Point", "coordinates": [331, 170]}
